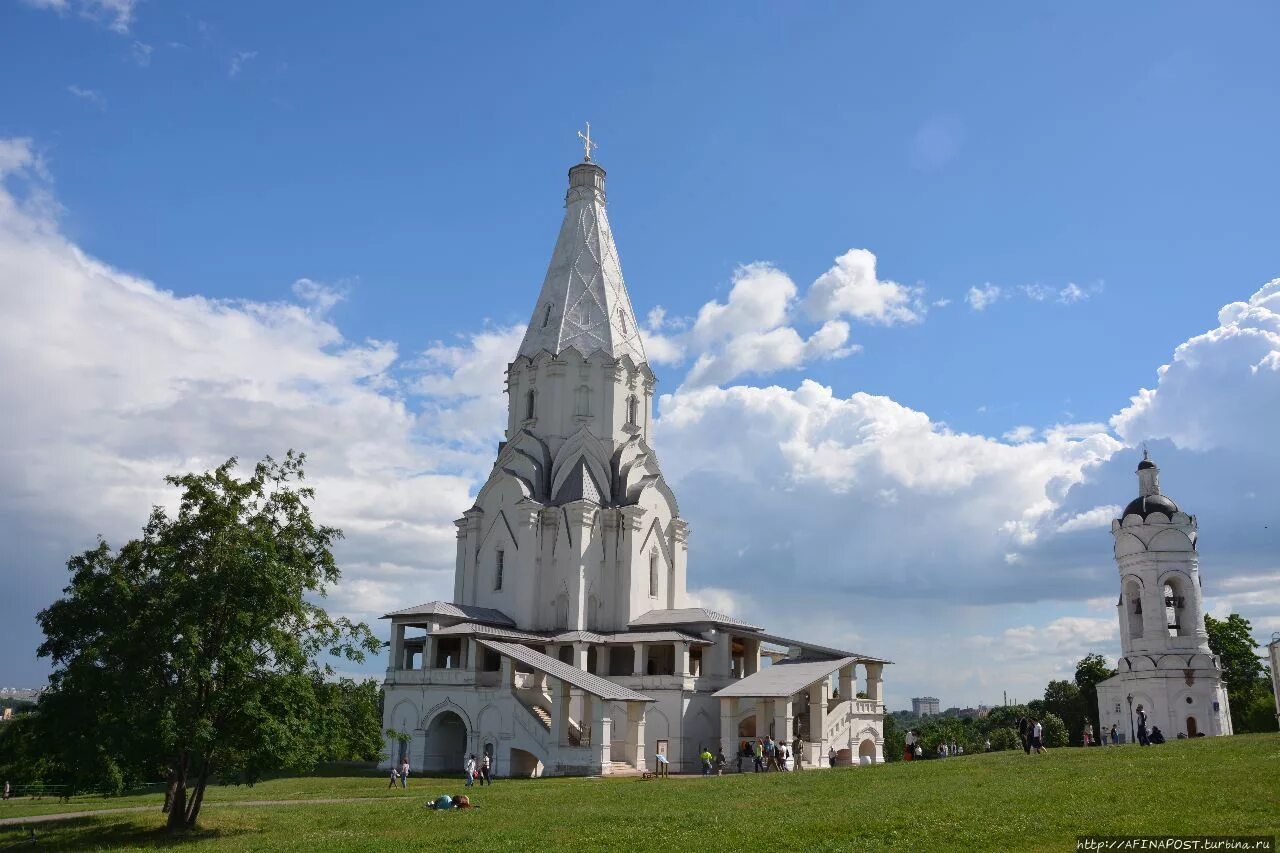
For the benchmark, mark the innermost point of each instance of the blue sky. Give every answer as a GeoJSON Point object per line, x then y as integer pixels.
{"type": "Point", "coordinates": [1109, 169]}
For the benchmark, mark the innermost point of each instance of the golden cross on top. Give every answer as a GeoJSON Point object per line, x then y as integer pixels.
{"type": "Point", "coordinates": [587, 143]}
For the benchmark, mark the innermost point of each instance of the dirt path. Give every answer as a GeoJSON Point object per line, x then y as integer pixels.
{"type": "Point", "coordinates": [50, 818]}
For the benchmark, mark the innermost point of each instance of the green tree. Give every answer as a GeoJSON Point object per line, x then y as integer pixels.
{"type": "Point", "coordinates": [1004, 738]}
{"type": "Point", "coordinates": [1090, 670]}
{"type": "Point", "coordinates": [1063, 699]}
{"type": "Point", "coordinates": [193, 651]}
{"type": "Point", "coordinates": [1054, 731]}
{"type": "Point", "coordinates": [1231, 639]}
{"type": "Point", "coordinates": [894, 739]}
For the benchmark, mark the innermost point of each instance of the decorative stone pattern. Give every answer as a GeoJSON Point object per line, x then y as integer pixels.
{"type": "Point", "coordinates": [584, 304]}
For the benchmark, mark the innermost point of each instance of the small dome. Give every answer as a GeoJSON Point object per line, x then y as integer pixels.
{"type": "Point", "coordinates": [1145, 464]}
{"type": "Point", "coordinates": [1149, 504]}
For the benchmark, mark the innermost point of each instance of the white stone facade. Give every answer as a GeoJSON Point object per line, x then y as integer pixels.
{"type": "Point", "coordinates": [569, 646]}
{"type": "Point", "coordinates": [1165, 666]}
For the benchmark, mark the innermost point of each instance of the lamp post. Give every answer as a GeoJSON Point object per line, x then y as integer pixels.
{"type": "Point", "coordinates": [1132, 737]}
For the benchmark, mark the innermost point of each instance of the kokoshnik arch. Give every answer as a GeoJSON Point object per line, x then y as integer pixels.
{"type": "Point", "coordinates": [570, 646]}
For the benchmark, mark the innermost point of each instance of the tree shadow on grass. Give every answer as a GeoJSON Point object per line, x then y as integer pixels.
{"type": "Point", "coordinates": [99, 833]}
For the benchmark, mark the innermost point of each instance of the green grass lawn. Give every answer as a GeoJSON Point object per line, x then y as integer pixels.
{"type": "Point", "coordinates": [1004, 801]}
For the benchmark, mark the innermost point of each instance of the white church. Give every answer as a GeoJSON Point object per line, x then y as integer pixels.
{"type": "Point", "coordinates": [1165, 666]}
{"type": "Point", "coordinates": [570, 645]}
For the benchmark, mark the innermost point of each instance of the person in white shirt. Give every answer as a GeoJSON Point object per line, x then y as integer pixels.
{"type": "Point", "coordinates": [1037, 737]}
{"type": "Point", "coordinates": [470, 768]}
{"type": "Point", "coordinates": [908, 751]}
{"type": "Point", "coordinates": [404, 772]}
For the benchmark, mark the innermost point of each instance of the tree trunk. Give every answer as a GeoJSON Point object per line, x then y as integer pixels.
{"type": "Point", "coordinates": [178, 801]}
{"type": "Point", "coordinates": [197, 799]}
{"type": "Point", "coordinates": [170, 789]}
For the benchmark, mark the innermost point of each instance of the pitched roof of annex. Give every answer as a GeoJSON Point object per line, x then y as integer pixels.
{"type": "Point", "coordinates": [593, 684]}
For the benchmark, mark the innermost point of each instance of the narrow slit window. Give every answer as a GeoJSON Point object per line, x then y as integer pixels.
{"type": "Point", "coordinates": [546, 317]}
{"type": "Point", "coordinates": [633, 410]}
{"type": "Point", "coordinates": [529, 405]}
{"type": "Point", "coordinates": [653, 575]}
{"type": "Point", "coordinates": [497, 573]}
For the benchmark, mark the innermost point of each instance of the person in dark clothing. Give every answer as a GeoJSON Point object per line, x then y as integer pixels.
{"type": "Point", "coordinates": [1024, 734]}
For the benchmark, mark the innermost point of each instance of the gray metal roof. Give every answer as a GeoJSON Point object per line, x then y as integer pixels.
{"type": "Point", "coordinates": [822, 650]}
{"type": "Point", "coordinates": [593, 684]}
{"type": "Point", "coordinates": [687, 616]}
{"type": "Point", "coordinates": [784, 678]}
{"type": "Point", "coordinates": [466, 629]}
{"type": "Point", "coordinates": [456, 611]}
{"type": "Point", "coordinates": [654, 637]}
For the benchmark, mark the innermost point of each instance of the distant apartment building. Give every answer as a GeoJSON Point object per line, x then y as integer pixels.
{"type": "Point", "coordinates": [926, 706]}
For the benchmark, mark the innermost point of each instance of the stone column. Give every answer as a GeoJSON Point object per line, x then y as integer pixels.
{"type": "Point", "coordinates": [638, 666]}
{"type": "Point", "coordinates": [508, 673]}
{"type": "Point", "coordinates": [764, 707]}
{"type": "Point", "coordinates": [875, 682]}
{"type": "Point", "coordinates": [636, 749]}
{"type": "Point", "coordinates": [559, 710]}
{"type": "Point", "coordinates": [603, 654]}
{"type": "Point", "coordinates": [751, 657]}
{"type": "Point", "coordinates": [682, 659]}
{"type": "Point", "coordinates": [818, 721]}
{"type": "Point", "coordinates": [580, 652]}
{"type": "Point", "coordinates": [718, 660]}
{"type": "Point", "coordinates": [728, 727]}
{"type": "Point", "coordinates": [848, 688]}
{"type": "Point", "coordinates": [429, 651]}
{"type": "Point", "coordinates": [397, 647]}
{"type": "Point", "coordinates": [782, 717]}
{"type": "Point", "coordinates": [473, 655]}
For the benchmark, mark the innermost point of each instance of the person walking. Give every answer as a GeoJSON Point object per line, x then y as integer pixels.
{"type": "Point", "coordinates": [758, 749]}
{"type": "Point", "coordinates": [1024, 734]}
{"type": "Point", "coordinates": [1088, 734]}
{"type": "Point", "coordinates": [1115, 736]}
{"type": "Point", "coordinates": [706, 762]}
{"type": "Point", "coordinates": [831, 757]}
{"type": "Point", "coordinates": [395, 777]}
{"type": "Point", "coordinates": [404, 772]}
{"type": "Point", "coordinates": [663, 765]}
{"type": "Point", "coordinates": [469, 767]}
{"type": "Point", "coordinates": [1143, 738]}
{"type": "Point", "coordinates": [486, 770]}
{"type": "Point", "coordinates": [986, 747]}
{"type": "Point", "coordinates": [1037, 737]}
{"type": "Point", "coordinates": [908, 745]}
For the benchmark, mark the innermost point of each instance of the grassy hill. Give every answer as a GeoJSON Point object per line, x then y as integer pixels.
{"type": "Point", "coordinates": [1003, 801]}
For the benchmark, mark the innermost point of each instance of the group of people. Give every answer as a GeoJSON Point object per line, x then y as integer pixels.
{"type": "Point", "coordinates": [1031, 733]}
{"type": "Point", "coordinates": [400, 774]}
{"type": "Point", "coordinates": [912, 750]}
{"type": "Point", "coordinates": [478, 770]}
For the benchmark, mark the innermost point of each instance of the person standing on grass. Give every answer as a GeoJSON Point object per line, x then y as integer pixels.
{"type": "Point", "coordinates": [987, 746]}
{"type": "Point", "coordinates": [908, 744]}
{"type": "Point", "coordinates": [486, 770]}
{"type": "Point", "coordinates": [758, 750]}
{"type": "Point", "coordinates": [831, 757]}
{"type": "Point", "coordinates": [395, 777]}
{"type": "Point", "coordinates": [1037, 737]}
{"type": "Point", "coordinates": [797, 749]}
{"type": "Point", "coordinates": [721, 761]}
{"type": "Point", "coordinates": [6, 789]}
{"type": "Point", "coordinates": [1115, 736]}
{"type": "Point", "coordinates": [707, 758]}
{"type": "Point", "coordinates": [404, 772]}
{"type": "Point", "coordinates": [1024, 734]}
{"type": "Point", "coordinates": [469, 767]}
{"type": "Point", "coordinates": [1143, 739]}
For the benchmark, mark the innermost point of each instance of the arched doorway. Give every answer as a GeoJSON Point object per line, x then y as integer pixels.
{"type": "Point", "coordinates": [525, 764]}
{"type": "Point", "coordinates": [446, 743]}
{"type": "Point", "coordinates": [867, 752]}
{"type": "Point", "coordinates": [1192, 728]}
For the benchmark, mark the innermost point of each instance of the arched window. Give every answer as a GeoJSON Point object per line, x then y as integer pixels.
{"type": "Point", "coordinates": [498, 569]}
{"type": "Point", "coordinates": [1133, 604]}
{"type": "Point", "coordinates": [633, 410]}
{"type": "Point", "coordinates": [582, 397]}
{"type": "Point", "coordinates": [653, 574]}
{"type": "Point", "coordinates": [546, 318]}
{"type": "Point", "coordinates": [529, 404]}
{"type": "Point", "coordinates": [1175, 609]}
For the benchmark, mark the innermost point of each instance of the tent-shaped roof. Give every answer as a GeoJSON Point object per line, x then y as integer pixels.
{"type": "Point", "coordinates": [487, 615]}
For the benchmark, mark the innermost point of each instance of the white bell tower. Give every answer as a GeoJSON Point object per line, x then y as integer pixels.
{"type": "Point", "coordinates": [1165, 666]}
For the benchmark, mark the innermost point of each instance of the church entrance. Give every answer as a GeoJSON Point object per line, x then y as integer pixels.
{"type": "Point", "coordinates": [1192, 729]}
{"type": "Point", "coordinates": [446, 743]}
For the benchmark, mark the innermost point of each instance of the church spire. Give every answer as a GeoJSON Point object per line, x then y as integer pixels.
{"type": "Point", "coordinates": [584, 304]}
